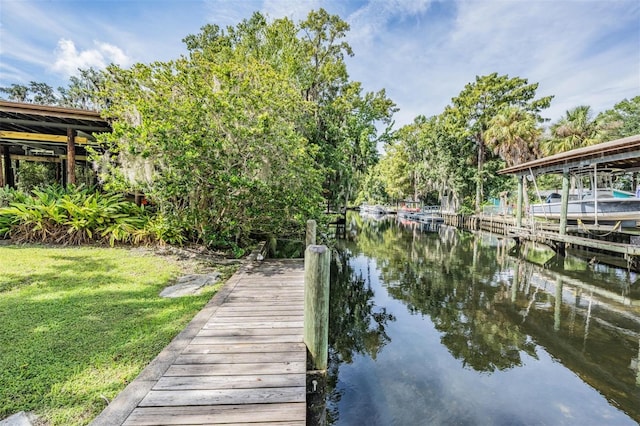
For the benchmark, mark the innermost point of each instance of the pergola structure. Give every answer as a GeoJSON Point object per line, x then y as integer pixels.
{"type": "Point", "coordinates": [30, 132]}
{"type": "Point", "coordinates": [621, 154]}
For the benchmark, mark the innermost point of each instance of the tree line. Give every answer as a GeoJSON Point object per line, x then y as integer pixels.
{"type": "Point", "coordinates": [495, 122]}
{"type": "Point", "coordinates": [259, 127]}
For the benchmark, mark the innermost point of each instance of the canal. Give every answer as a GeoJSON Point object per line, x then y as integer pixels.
{"type": "Point", "coordinates": [440, 326]}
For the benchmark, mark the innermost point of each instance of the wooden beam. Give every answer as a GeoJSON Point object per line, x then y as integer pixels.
{"type": "Point", "coordinates": [50, 111]}
{"type": "Point", "coordinates": [40, 137]}
{"type": "Point", "coordinates": [71, 156]}
{"type": "Point", "coordinates": [317, 263]}
{"type": "Point", "coordinates": [50, 124]}
{"type": "Point", "coordinates": [36, 159]}
{"type": "Point", "coordinates": [45, 159]}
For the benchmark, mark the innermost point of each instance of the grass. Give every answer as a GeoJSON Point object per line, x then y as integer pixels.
{"type": "Point", "coordinates": [78, 324]}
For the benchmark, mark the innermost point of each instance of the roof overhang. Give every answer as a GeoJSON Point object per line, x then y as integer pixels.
{"type": "Point", "coordinates": [620, 154]}
{"type": "Point", "coordinates": [33, 129]}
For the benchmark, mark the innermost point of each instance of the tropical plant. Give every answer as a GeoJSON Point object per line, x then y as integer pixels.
{"type": "Point", "coordinates": [513, 135]}
{"type": "Point", "coordinates": [576, 129]}
{"type": "Point", "coordinates": [79, 216]}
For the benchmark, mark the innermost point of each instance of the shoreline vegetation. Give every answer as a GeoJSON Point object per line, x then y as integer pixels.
{"type": "Point", "coordinates": [80, 323]}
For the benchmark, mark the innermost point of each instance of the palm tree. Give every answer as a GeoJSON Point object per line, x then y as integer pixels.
{"type": "Point", "coordinates": [513, 135]}
{"type": "Point", "coordinates": [575, 130]}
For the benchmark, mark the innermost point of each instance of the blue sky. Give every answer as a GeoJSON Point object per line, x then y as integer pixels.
{"type": "Point", "coordinates": [422, 52]}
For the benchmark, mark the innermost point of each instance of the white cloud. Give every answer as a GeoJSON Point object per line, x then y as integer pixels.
{"type": "Point", "coordinates": [293, 9]}
{"type": "Point", "coordinates": [113, 53]}
{"type": "Point", "coordinates": [370, 21]}
{"type": "Point", "coordinates": [69, 59]}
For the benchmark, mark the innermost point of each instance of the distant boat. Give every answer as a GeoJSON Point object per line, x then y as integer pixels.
{"type": "Point", "coordinates": [427, 214]}
{"type": "Point", "coordinates": [376, 210]}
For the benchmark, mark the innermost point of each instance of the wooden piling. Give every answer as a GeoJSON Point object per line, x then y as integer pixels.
{"type": "Point", "coordinates": [316, 304]}
{"type": "Point", "coordinates": [71, 157]}
{"type": "Point", "coordinates": [311, 233]}
{"type": "Point", "coordinates": [8, 178]}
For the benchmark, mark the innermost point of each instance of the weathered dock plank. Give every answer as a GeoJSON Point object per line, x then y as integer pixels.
{"type": "Point", "coordinates": [287, 367]}
{"type": "Point", "coordinates": [240, 358]}
{"type": "Point", "coordinates": [179, 398]}
{"type": "Point", "coordinates": [223, 348]}
{"type": "Point", "coordinates": [246, 331]}
{"type": "Point", "coordinates": [245, 363]}
{"type": "Point", "coordinates": [249, 381]}
{"type": "Point", "coordinates": [288, 413]}
{"type": "Point", "coordinates": [257, 323]}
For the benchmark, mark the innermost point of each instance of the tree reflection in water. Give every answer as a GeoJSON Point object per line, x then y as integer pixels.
{"type": "Point", "coordinates": [491, 309]}
{"type": "Point", "coordinates": [356, 326]}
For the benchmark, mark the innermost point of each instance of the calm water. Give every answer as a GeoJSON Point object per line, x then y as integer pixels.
{"type": "Point", "coordinates": [451, 327]}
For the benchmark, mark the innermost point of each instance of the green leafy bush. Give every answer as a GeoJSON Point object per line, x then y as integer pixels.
{"type": "Point", "coordinates": [79, 215]}
{"type": "Point", "coordinates": [7, 195]}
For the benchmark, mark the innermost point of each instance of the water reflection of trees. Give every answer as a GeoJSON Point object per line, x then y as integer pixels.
{"type": "Point", "coordinates": [493, 308]}
{"type": "Point", "coordinates": [356, 325]}
{"type": "Point", "coordinates": [590, 329]}
{"type": "Point", "coordinates": [451, 280]}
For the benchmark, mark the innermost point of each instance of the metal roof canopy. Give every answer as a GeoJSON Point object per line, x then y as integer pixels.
{"type": "Point", "coordinates": [44, 128]}
{"type": "Point", "coordinates": [620, 154]}
{"type": "Point", "coordinates": [32, 118]}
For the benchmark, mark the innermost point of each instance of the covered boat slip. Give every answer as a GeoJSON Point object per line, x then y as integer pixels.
{"type": "Point", "coordinates": [30, 132]}
{"type": "Point", "coordinates": [597, 214]}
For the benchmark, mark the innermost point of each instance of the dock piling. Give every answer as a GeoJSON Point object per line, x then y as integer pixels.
{"type": "Point", "coordinates": [316, 304]}
{"type": "Point", "coordinates": [310, 238]}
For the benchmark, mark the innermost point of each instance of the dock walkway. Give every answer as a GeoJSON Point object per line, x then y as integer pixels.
{"type": "Point", "coordinates": [241, 359]}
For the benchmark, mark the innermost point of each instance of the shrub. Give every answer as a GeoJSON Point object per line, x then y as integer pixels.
{"type": "Point", "coordinates": [79, 215]}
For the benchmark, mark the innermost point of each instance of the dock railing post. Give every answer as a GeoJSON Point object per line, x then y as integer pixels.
{"type": "Point", "coordinates": [310, 238]}
{"type": "Point", "coordinates": [317, 261]}
{"type": "Point", "coordinates": [519, 202]}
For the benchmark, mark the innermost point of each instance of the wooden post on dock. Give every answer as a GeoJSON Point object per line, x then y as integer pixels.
{"type": "Point", "coordinates": [316, 304]}
{"type": "Point", "coordinates": [519, 203]}
{"type": "Point", "coordinates": [564, 203]}
{"type": "Point", "coordinates": [310, 238]}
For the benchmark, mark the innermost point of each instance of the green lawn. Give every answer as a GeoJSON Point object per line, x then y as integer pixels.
{"type": "Point", "coordinates": [78, 324]}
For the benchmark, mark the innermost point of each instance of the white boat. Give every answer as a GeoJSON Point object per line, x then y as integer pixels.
{"type": "Point", "coordinates": [376, 210]}
{"type": "Point", "coordinates": [604, 205]}
{"type": "Point", "coordinates": [427, 214]}
{"type": "Point", "coordinates": [609, 206]}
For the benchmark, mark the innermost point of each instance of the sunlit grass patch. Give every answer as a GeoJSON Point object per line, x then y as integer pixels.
{"type": "Point", "coordinates": [79, 324]}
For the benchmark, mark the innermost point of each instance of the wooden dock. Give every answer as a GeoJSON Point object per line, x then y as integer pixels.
{"type": "Point", "coordinates": [244, 363]}
{"type": "Point", "coordinates": [619, 243]}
